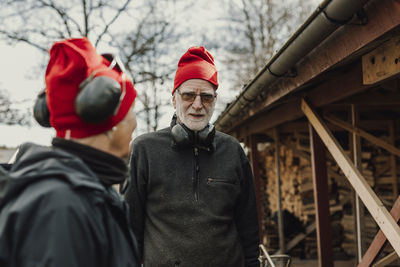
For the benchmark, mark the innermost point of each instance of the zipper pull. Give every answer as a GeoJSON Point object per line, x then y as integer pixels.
{"type": "Point", "coordinates": [196, 151]}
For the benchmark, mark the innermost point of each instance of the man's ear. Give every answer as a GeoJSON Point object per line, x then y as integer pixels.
{"type": "Point", "coordinates": [173, 100]}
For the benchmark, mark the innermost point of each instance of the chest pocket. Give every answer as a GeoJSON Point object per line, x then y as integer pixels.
{"type": "Point", "coordinates": [218, 181]}
{"type": "Point", "coordinates": [220, 194]}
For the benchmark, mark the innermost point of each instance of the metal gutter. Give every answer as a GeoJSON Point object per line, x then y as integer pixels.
{"type": "Point", "coordinates": [330, 15]}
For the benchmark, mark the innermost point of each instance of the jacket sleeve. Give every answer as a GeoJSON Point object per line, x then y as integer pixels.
{"type": "Point", "coordinates": [246, 217]}
{"type": "Point", "coordinates": [55, 230]}
{"type": "Point", "coordinates": [135, 196]}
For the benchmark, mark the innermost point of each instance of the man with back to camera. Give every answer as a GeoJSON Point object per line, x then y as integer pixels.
{"type": "Point", "coordinates": [191, 194]}
{"type": "Point", "coordinates": [59, 207]}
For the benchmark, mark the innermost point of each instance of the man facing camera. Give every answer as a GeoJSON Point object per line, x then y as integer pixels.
{"type": "Point", "coordinates": [191, 194]}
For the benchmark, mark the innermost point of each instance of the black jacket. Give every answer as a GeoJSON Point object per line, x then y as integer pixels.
{"type": "Point", "coordinates": [193, 207]}
{"type": "Point", "coordinates": [55, 212]}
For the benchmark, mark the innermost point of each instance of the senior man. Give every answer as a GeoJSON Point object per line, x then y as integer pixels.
{"type": "Point", "coordinates": [191, 194]}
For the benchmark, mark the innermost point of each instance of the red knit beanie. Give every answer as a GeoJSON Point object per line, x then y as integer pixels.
{"type": "Point", "coordinates": [71, 61]}
{"type": "Point", "coordinates": [196, 63]}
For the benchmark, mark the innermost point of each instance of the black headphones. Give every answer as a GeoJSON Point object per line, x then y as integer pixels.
{"type": "Point", "coordinates": [99, 98]}
{"type": "Point", "coordinates": [183, 136]}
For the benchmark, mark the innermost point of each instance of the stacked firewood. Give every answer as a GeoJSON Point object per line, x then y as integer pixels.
{"type": "Point", "coordinates": [297, 185]}
{"type": "Point", "coordinates": [384, 177]}
{"type": "Point", "coordinates": [290, 182]}
{"type": "Point", "coordinates": [297, 195]}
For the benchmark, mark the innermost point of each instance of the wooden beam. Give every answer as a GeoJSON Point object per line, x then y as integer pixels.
{"type": "Point", "coordinates": [375, 98]}
{"type": "Point", "coordinates": [353, 196]}
{"type": "Point", "coordinates": [358, 182]}
{"type": "Point", "coordinates": [374, 140]}
{"type": "Point", "coordinates": [321, 200]}
{"type": "Point", "coordinates": [278, 190]}
{"type": "Point", "coordinates": [380, 239]}
{"type": "Point", "coordinates": [386, 260]}
{"type": "Point", "coordinates": [347, 83]}
{"type": "Point", "coordinates": [366, 124]}
{"type": "Point", "coordinates": [257, 186]}
{"type": "Point", "coordinates": [359, 207]}
{"type": "Point", "coordinates": [382, 62]}
{"type": "Point", "coordinates": [393, 163]}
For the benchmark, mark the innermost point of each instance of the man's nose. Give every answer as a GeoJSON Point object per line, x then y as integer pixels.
{"type": "Point", "coordinates": [197, 104]}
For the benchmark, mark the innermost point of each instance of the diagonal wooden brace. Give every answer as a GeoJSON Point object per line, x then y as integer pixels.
{"type": "Point", "coordinates": [374, 205]}
{"type": "Point", "coordinates": [379, 239]}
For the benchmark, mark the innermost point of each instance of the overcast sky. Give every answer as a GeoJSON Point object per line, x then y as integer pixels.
{"type": "Point", "coordinates": [17, 70]}
{"type": "Point", "coordinates": [22, 77]}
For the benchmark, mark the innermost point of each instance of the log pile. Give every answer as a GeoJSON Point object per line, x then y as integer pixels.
{"type": "Point", "coordinates": [297, 194]}
{"type": "Point", "coordinates": [290, 182]}
{"type": "Point", "coordinates": [384, 177]}
{"type": "Point", "coordinates": [297, 185]}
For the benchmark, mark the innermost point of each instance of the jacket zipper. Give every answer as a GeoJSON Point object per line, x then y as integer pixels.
{"type": "Point", "coordinates": [196, 174]}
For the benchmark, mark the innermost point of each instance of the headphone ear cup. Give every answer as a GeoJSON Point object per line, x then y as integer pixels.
{"type": "Point", "coordinates": [206, 136]}
{"type": "Point", "coordinates": [41, 112]}
{"type": "Point", "coordinates": [98, 99]}
{"type": "Point", "coordinates": [180, 135]}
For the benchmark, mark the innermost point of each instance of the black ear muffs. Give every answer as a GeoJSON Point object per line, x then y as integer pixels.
{"type": "Point", "coordinates": [40, 110]}
{"type": "Point", "coordinates": [206, 136]}
{"type": "Point", "coordinates": [98, 99]}
{"type": "Point", "coordinates": [183, 136]}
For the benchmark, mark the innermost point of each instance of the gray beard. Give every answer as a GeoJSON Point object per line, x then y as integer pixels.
{"type": "Point", "coordinates": [188, 124]}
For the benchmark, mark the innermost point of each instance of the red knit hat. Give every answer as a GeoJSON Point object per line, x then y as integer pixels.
{"type": "Point", "coordinates": [196, 63]}
{"type": "Point", "coordinates": [71, 61]}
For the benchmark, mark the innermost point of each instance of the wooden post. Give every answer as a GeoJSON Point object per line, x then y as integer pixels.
{"type": "Point", "coordinates": [257, 185]}
{"type": "Point", "coordinates": [375, 206]}
{"type": "Point", "coordinates": [321, 199]}
{"type": "Point", "coordinates": [278, 190]}
{"type": "Point", "coordinates": [359, 207]}
{"type": "Point", "coordinates": [393, 164]}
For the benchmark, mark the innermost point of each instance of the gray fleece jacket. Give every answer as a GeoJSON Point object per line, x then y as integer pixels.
{"type": "Point", "coordinates": [192, 207]}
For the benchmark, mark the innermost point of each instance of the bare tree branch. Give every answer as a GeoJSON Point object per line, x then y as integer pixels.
{"type": "Point", "coordinates": [17, 38]}
{"type": "Point", "coordinates": [10, 115]}
{"type": "Point", "coordinates": [105, 30]}
{"type": "Point", "coordinates": [258, 27]}
{"type": "Point", "coordinates": [85, 19]}
{"type": "Point", "coordinates": [60, 12]}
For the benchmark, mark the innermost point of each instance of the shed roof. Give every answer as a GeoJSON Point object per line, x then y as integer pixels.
{"type": "Point", "coordinates": [321, 61]}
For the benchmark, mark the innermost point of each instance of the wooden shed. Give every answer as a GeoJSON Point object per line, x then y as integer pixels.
{"type": "Point", "coordinates": [321, 121]}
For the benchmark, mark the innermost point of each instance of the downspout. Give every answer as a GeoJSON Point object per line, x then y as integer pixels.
{"type": "Point", "coordinates": [330, 15]}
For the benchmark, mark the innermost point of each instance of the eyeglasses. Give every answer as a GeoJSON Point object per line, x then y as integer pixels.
{"type": "Point", "coordinates": [191, 96]}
